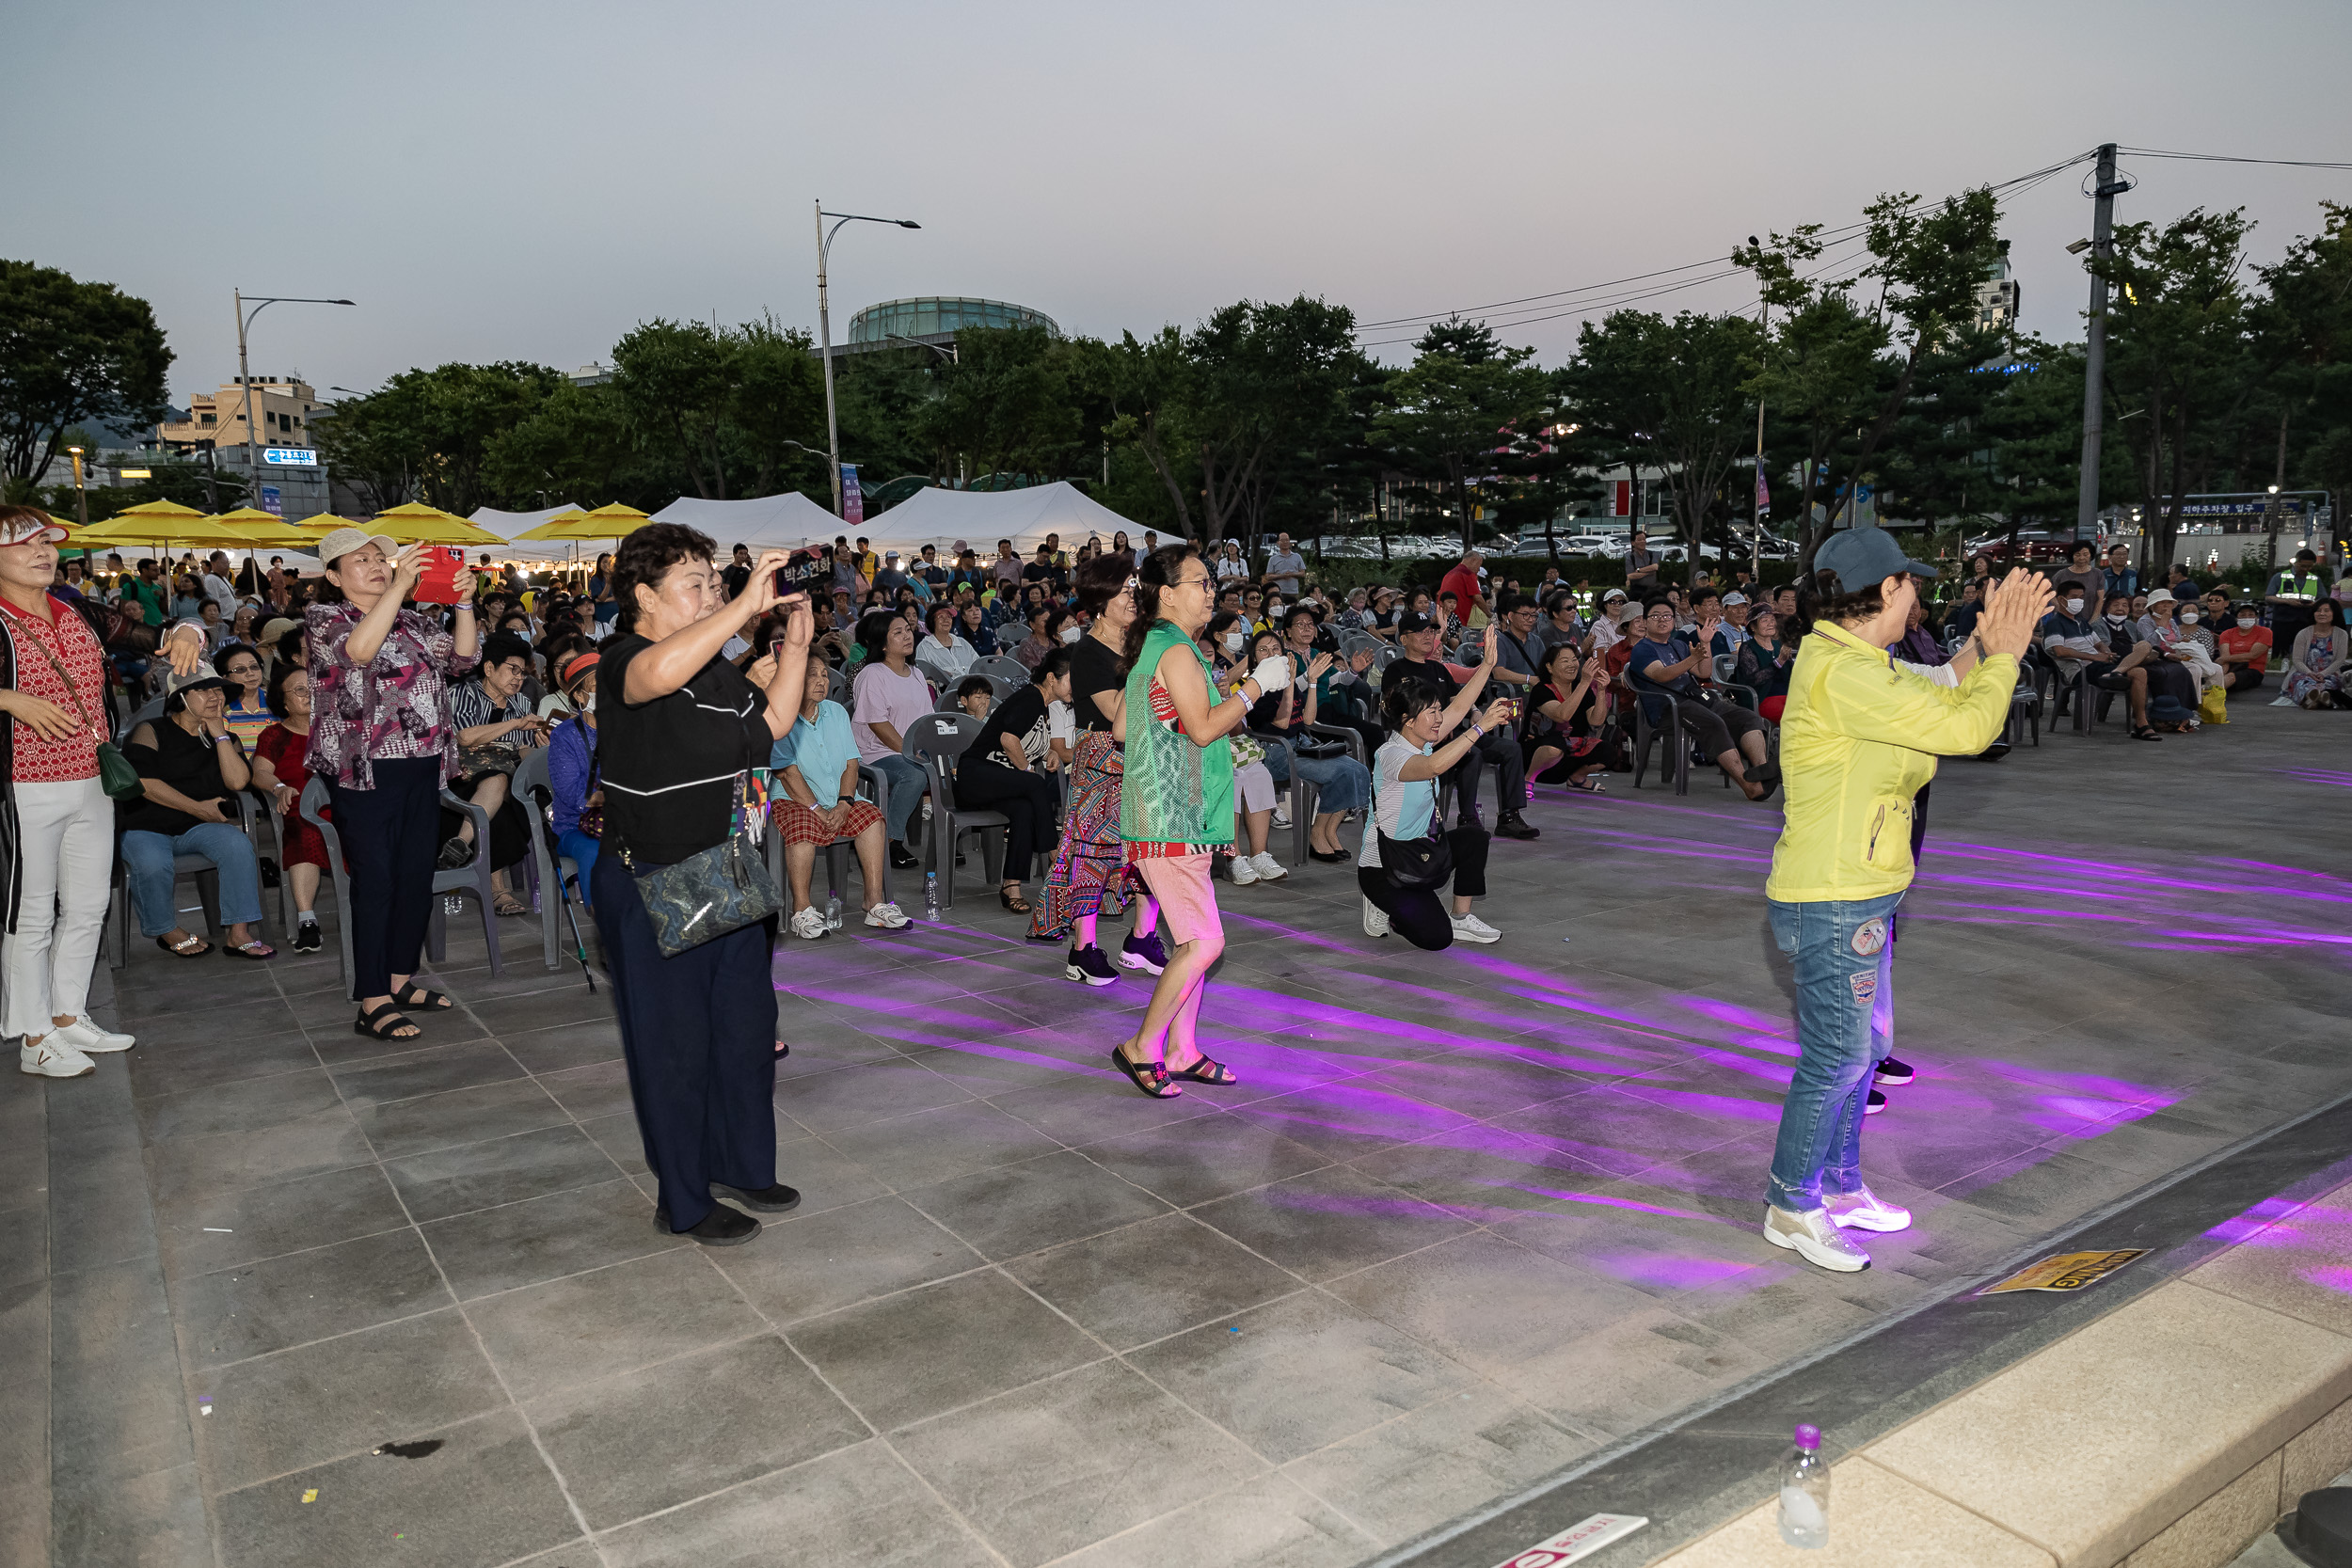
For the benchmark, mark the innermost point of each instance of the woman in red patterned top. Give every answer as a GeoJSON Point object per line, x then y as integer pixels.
{"type": "Point", "coordinates": [281, 765]}
{"type": "Point", "coordinates": [57, 821]}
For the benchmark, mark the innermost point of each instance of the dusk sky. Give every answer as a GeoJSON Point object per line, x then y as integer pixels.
{"type": "Point", "coordinates": [528, 181]}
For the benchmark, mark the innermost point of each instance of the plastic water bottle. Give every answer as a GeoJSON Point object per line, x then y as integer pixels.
{"type": "Point", "coordinates": [832, 912]}
{"type": "Point", "coordinates": [1805, 1491]}
{"type": "Point", "coordinates": [930, 896]}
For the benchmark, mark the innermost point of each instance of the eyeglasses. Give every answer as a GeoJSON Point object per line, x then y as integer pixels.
{"type": "Point", "coordinates": [1190, 582]}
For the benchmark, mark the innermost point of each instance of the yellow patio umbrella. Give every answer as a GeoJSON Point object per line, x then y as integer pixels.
{"type": "Point", "coordinates": [323, 522]}
{"type": "Point", "coordinates": [553, 528]}
{"type": "Point", "coordinates": [263, 527]}
{"type": "Point", "coordinates": [163, 523]}
{"type": "Point", "coordinates": [419, 524]}
{"type": "Point", "coordinates": [606, 522]}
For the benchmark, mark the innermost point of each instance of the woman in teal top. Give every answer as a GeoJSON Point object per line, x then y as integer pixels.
{"type": "Point", "coordinates": [1176, 803]}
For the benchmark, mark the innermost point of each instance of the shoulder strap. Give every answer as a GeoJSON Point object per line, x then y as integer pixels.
{"type": "Point", "coordinates": [72, 690]}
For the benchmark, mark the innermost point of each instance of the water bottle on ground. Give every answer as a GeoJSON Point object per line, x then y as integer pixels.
{"type": "Point", "coordinates": [1805, 1491]}
{"type": "Point", "coordinates": [930, 896]}
{"type": "Point", "coordinates": [832, 912]}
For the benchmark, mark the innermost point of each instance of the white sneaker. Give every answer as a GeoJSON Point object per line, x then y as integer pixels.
{"type": "Point", "coordinates": [1268, 868]}
{"type": "Point", "coordinates": [1814, 1238]}
{"type": "Point", "coordinates": [1469, 927]}
{"type": "Point", "coordinates": [808, 920]}
{"type": "Point", "coordinates": [84, 1034]}
{"type": "Point", "coordinates": [1864, 1209]}
{"type": "Point", "coordinates": [888, 916]}
{"type": "Point", "coordinates": [1283, 811]}
{"type": "Point", "coordinates": [1376, 920]}
{"type": "Point", "coordinates": [54, 1058]}
{"type": "Point", "coordinates": [1244, 870]}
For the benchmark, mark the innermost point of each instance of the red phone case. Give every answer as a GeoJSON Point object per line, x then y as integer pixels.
{"type": "Point", "coordinates": [437, 583]}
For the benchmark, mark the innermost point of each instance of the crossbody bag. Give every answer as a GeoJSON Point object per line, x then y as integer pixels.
{"type": "Point", "coordinates": [115, 774]}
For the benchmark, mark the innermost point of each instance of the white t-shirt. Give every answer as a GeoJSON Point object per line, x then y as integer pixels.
{"type": "Point", "coordinates": [1399, 808]}
{"type": "Point", "coordinates": [1229, 567]}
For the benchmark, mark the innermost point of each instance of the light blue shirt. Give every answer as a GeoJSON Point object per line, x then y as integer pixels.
{"type": "Point", "coordinates": [821, 748]}
{"type": "Point", "coordinates": [1401, 808]}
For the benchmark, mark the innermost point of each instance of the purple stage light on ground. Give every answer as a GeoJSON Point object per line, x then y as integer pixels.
{"type": "Point", "coordinates": [2241, 1229]}
{"type": "Point", "coordinates": [1604, 1200]}
{"type": "Point", "coordinates": [1664, 1270]}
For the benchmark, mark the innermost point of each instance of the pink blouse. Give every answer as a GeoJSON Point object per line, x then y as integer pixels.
{"type": "Point", "coordinates": [393, 708]}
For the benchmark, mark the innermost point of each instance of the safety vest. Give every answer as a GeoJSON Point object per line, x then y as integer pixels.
{"type": "Point", "coordinates": [2309, 589]}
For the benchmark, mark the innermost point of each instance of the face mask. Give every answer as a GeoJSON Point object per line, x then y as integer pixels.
{"type": "Point", "coordinates": [1070, 634]}
{"type": "Point", "coordinates": [1234, 641]}
{"type": "Point", "coordinates": [2074, 607]}
{"type": "Point", "coordinates": [2115, 620]}
{"type": "Point", "coordinates": [2188, 617]}
{"type": "Point", "coordinates": [588, 703]}
{"type": "Point", "coordinates": [2246, 623]}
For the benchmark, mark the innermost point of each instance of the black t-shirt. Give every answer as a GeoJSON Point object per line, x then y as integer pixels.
{"type": "Point", "coordinates": [668, 765]}
{"type": "Point", "coordinates": [735, 578]}
{"type": "Point", "coordinates": [1023, 714]}
{"type": "Point", "coordinates": [1092, 668]}
{"type": "Point", "coordinates": [1050, 576]}
{"type": "Point", "coordinates": [189, 764]}
{"type": "Point", "coordinates": [1430, 672]}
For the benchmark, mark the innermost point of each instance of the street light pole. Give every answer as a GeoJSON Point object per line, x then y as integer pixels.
{"type": "Point", "coordinates": [81, 496]}
{"type": "Point", "coordinates": [2104, 190]}
{"type": "Point", "coordinates": [824, 332]}
{"type": "Point", "coordinates": [244, 374]}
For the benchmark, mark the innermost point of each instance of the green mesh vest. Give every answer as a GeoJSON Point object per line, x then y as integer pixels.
{"type": "Point", "coordinates": [1172, 791]}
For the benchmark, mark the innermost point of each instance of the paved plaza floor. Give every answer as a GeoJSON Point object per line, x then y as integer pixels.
{"type": "Point", "coordinates": [1471, 1216]}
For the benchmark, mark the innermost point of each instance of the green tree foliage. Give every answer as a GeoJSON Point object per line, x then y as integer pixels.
{"type": "Point", "coordinates": [1463, 414]}
{"type": "Point", "coordinates": [677, 381]}
{"type": "Point", "coordinates": [1669, 397]}
{"type": "Point", "coordinates": [70, 353]}
{"type": "Point", "coordinates": [429, 435]}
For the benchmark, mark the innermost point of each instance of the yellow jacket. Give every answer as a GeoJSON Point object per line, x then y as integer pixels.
{"type": "Point", "coordinates": [1857, 739]}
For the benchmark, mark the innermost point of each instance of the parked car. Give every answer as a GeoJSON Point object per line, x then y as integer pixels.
{"type": "Point", "coordinates": [1611, 546]}
{"type": "Point", "coordinates": [2033, 544]}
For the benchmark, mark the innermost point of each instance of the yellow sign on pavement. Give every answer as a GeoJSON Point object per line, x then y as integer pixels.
{"type": "Point", "coordinates": [2068, 1271]}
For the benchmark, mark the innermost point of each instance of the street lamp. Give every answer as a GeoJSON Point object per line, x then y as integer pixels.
{"type": "Point", "coordinates": [81, 496]}
{"type": "Point", "coordinates": [245, 376]}
{"type": "Point", "coordinates": [824, 329]}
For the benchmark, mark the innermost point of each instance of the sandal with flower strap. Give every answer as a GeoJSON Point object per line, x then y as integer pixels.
{"type": "Point", "coordinates": [1151, 1077]}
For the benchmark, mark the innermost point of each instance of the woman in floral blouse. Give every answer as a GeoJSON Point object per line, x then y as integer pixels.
{"type": "Point", "coordinates": [381, 737]}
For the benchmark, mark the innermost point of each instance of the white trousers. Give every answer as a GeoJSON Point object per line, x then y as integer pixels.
{"type": "Point", "coordinates": [65, 835]}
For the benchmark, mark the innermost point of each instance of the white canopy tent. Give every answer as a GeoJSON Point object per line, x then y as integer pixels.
{"type": "Point", "coordinates": [981, 517]}
{"type": "Point", "coordinates": [786, 522]}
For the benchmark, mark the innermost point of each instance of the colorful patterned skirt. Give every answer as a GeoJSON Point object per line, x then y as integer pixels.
{"type": "Point", "coordinates": [1090, 873]}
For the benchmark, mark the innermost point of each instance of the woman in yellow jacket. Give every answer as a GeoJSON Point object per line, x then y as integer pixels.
{"type": "Point", "coordinates": [1858, 737]}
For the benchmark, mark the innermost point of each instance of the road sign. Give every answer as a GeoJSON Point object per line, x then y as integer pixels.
{"type": "Point", "coordinates": [290, 457]}
{"type": "Point", "coordinates": [272, 502]}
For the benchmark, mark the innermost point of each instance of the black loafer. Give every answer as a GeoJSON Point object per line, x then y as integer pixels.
{"type": "Point", "coordinates": [721, 1226]}
{"type": "Point", "coordinates": [768, 1200]}
{"type": "Point", "coordinates": [901, 859]}
{"type": "Point", "coordinates": [1333, 858]}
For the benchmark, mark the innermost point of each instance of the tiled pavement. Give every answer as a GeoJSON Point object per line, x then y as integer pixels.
{"type": "Point", "coordinates": [1472, 1214]}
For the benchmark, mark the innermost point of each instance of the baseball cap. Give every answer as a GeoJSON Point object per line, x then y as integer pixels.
{"type": "Point", "coordinates": [278, 628]}
{"type": "Point", "coordinates": [342, 541]}
{"type": "Point", "coordinates": [1415, 622]}
{"type": "Point", "coordinates": [22, 527]}
{"type": "Point", "coordinates": [1735, 597]}
{"type": "Point", "coordinates": [1863, 557]}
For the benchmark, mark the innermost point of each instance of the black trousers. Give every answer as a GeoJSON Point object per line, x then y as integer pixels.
{"type": "Point", "coordinates": [1494, 746]}
{"type": "Point", "coordinates": [698, 1032]}
{"type": "Point", "coordinates": [1028, 800]}
{"type": "Point", "coordinates": [1420, 914]}
{"type": "Point", "coordinates": [391, 835]}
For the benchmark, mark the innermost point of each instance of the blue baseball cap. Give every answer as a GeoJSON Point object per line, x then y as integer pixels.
{"type": "Point", "coordinates": [1866, 557]}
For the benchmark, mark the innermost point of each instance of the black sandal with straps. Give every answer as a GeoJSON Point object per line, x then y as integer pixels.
{"type": "Point", "coordinates": [415, 995]}
{"type": "Point", "coordinates": [1204, 1071]}
{"type": "Point", "coordinates": [1151, 1077]}
{"type": "Point", "coordinates": [383, 1022]}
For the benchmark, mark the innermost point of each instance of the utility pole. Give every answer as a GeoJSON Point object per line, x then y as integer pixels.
{"type": "Point", "coordinates": [1755, 545]}
{"type": "Point", "coordinates": [2095, 356]}
{"type": "Point", "coordinates": [824, 333]}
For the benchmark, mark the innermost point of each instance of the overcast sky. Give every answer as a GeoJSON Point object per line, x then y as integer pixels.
{"type": "Point", "coordinates": [503, 180]}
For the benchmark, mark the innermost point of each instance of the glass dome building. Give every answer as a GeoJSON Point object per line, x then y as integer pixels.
{"type": "Point", "coordinates": [936, 320]}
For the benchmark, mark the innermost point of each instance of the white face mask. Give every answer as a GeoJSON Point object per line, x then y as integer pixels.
{"type": "Point", "coordinates": [2188, 617]}
{"type": "Point", "coordinates": [2246, 623]}
{"type": "Point", "coordinates": [2115, 620]}
{"type": "Point", "coordinates": [2074, 607]}
{"type": "Point", "coordinates": [1070, 634]}
{"type": "Point", "coordinates": [588, 703]}
{"type": "Point", "coordinates": [1234, 642]}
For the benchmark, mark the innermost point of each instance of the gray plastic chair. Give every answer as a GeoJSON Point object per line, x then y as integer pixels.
{"type": "Point", "coordinates": [1003, 665]}
{"type": "Point", "coordinates": [934, 743]}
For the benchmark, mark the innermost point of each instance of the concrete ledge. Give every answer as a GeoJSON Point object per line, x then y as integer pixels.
{"type": "Point", "coordinates": [2167, 1433]}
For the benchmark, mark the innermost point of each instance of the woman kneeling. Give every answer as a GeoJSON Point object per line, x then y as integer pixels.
{"type": "Point", "coordinates": [1406, 771]}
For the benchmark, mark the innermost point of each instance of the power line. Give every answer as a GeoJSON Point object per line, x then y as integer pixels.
{"type": "Point", "coordinates": [1831, 239]}
{"type": "Point", "coordinates": [2223, 158]}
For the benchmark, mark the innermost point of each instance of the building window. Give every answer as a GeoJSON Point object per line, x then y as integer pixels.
{"type": "Point", "coordinates": [203, 418]}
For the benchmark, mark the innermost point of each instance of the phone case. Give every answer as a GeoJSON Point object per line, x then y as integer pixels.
{"type": "Point", "coordinates": [437, 583]}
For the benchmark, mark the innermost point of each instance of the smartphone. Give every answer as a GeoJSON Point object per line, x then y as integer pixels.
{"type": "Point", "coordinates": [437, 583]}
{"type": "Point", "coordinates": [800, 574]}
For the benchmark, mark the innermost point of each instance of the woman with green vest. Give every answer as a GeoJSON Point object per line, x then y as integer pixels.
{"type": "Point", "coordinates": [1176, 803]}
{"type": "Point", "coordinates": [1858, 739]}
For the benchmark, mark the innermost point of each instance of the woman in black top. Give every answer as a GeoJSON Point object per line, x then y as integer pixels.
{"type": "Point", "coordinates": [1090, 870]}
{"type": "Point", "coordinates": [1566, 709]}
{"type": "Point", "coordinates": [1008, 769]}
{"type": "Point", "coordinates": [677, 728]}
{"type": "Point", "coordinates": [190, 769]}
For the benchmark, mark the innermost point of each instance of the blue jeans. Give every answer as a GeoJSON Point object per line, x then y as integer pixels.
{"type": "Point", "coordinates": [148, 858]}
{"type": "Point", "coordinates": [1342, 782]}
{"type": "Point", "coordinates": [1844, 954]}
{"type": "Point", "coordinates": [581, 850]}
{"type": "Point", "coordinates": [907, 784]}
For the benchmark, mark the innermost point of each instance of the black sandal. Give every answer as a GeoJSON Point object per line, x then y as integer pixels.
{"type": "Point", "coordinates": [382, 1021]}
{"type": "Point", "coordinates": [183, 950]}
{"type": "Point", "coordinates": [1151, 1077]}
{"type": "Point", "coordinates": [1013, 902]}
{"type": "Point", "coordinates": [1213, 1073]}
{"type": "Point", "coordinates": [415, 995]}
{"type": "Point", "coordinates": [2145, 732]}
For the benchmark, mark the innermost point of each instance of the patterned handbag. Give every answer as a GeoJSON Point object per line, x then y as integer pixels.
{"type": "Point", "coordinates": [704, 897]}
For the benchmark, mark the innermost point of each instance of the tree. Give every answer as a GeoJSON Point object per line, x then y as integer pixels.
{"type": "Point", "coordinates": [2178, 368]}
{"type": "Point", "coordinates": [430, 434]}
{"type": "Point", "coordinates": [1820, 381]}
{"type": "Point", "coordinates": [676, 379]}
{"type": "Point", "coordinates": [578, 444]}
{"type": "Point", "coordinates": [776, 405]}
{"type": "Point", "coordinates": [70, 353]}
{"type": "Point", "coordinates": [1670, 396]}
{"type": "Point", "coordinates": [1462, 411]}
{"type": "Point", "coordinates": [2306, 325]}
